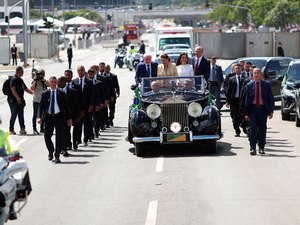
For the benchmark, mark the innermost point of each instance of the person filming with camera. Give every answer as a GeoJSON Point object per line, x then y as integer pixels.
{"type": "Point", "coordinates": [38, 85]}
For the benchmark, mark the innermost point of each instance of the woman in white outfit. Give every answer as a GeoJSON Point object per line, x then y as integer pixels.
{"type": "Point", "coordinates": [183, 68]}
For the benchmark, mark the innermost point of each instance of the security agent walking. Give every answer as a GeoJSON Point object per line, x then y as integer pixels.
{"type": "Point", "coordinates": [259, 105]}
{"type": "Point", "coordinates": [16, 100]}
{"type": "Point", "coordinates": [233, 98]}
{"type": "Point", "coordinates": [54, 111]}
{"type": "Point", "coordinates": [114, 93]}
{"type": "Point", "coordinates": [216, 79]}
{"type": "Point", "coordinates": [70, 55]}
{"type": "Point", "coordinates": [13, 51]}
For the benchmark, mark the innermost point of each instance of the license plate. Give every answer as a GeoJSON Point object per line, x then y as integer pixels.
{"type": "Point", "coordinates": [176, 138]}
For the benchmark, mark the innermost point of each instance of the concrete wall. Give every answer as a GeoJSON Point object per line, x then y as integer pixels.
{"type": "Point", "coordinates": [235, 45]}
{"type": "Point", "coordinates": [42, 45]}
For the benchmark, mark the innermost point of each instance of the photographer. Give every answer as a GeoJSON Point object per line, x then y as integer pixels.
{"type": "Point", "coordinates": [38, 85]}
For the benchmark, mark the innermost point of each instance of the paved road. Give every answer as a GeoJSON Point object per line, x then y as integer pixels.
{"type": "Point", "coordinates": [106, 184]}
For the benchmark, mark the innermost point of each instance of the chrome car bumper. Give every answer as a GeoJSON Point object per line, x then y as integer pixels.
{"type": "Point", "coordinates": [192, 138]}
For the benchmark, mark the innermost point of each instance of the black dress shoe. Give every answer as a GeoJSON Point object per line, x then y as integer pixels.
{"type": "Point", "coordinates": [103, 128]}
{"type": "Point", "coordinates": [252, 152]}
{"type": "Point", "coordinates": [65, 153]}
{"type": "Point", "coordinates": [50, 157]}
{"type": "Point", "coordinates": [85, 144]}
{"type": "Point", "coordinates": [56, 160]}
{"type": "Point", "coordinates": [75, 147]}
{"type": "Point", "coordinates": [107, 126]}
{"type": "Point", "coordinates": [261, 151]}
{"type": "Point", "coordinates": [237, 135]}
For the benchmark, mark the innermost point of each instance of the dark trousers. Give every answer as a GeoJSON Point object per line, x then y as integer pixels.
{"type": "Point", "coordinates": [77, 130]}
{"type": "Point", "coordinates": [215, 91]}
{"type": "Point", "coordinates": [112, 109]}
{"type": "Point", "coordinates": [58, 122]}
{"type": "Point", "coordinates": [70, 62]}
{"type": "Point", "coordinates": [236, 115]}
{"type": "Point", "coordinates": [16, 109]}
{"type": "Point", "coordinates": [96, 121]}
{"type": "Point", "coordinates": [88, 126]}
{"type": "Point", "coordinates": [258, 126]}
{"type": "Point", "coordinates": [14, 60]}
{"type": "Point", "coordinates": [67, 142]}
{"type": "Point", "coordinates": [103, 117]}
{"type": "Point", "coordinates": [36, 106]}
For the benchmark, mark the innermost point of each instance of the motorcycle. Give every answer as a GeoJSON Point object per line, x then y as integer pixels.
{"type": "Point", "coordinates": [119, 58]}
{"type": "Point", "coordinates": [15, 186]}
{"type": "Point", "coordinates": [133, 60]}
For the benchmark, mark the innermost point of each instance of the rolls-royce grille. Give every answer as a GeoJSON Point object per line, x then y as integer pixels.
{"type": "Point", "coordinates": [174, 113]}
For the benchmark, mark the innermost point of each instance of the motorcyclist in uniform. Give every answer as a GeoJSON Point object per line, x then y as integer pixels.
{"type": "Point", "coordinates": [130, 51]}
{"type": "Point", "coordinates": [8, 147]}
{"type": "Point", "coordinates": [121, 50]}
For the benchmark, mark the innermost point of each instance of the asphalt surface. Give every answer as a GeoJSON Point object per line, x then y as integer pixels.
{"type": "Point", "coordinates": [105, 183]}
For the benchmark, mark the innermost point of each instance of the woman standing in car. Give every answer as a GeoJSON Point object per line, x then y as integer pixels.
{"type": "Point", "coordinates": [166, 68]}
{"type": "Point", "coordinates": [183, 68]}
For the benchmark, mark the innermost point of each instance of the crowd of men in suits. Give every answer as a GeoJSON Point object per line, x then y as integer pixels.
{"type": "Point", "coordinates": [78, 105]}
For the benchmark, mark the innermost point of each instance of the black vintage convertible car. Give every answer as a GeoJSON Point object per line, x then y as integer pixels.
{"type": "Point", "coordinates": [172, 111]}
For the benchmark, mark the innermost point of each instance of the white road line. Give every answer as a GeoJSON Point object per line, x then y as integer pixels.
{"type": "Point", "coordinates": [160, 164]}
{"type": "Point", "coordinates": [152, 213]}
{"type": "Point", "coordinates": [22, 141]}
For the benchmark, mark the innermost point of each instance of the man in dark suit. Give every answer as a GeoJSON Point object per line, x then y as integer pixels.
{"type": "Point", "coordinates": [216, 79]}
{"type": "Point", "coordinates": [145, 69]}
{"type": "Point", "coordinates": [235, 84]}
{"type": "Point", "coordinates": [201, 65]}
{"type": "Point", "coordinates": [70, 55]}
{"type": "Point", "coordinates": [113, 95]}
{"type": "Point", "coordinates": [76, 134]}
{"type": "Point", "coordinates": [98, 101]}
{"type": "Point", "coordinates": [54, 112]}
{"type": "Point", "coordinates": [73, 103]}
{"type": "Point", "coordinates": [13, 51]}
{"type": "Point", "coordinates": [259, 105]}
{"type": "Point", "coordinates": [106, 87]}
{"type": "Point", "coordinates": [86, 102]}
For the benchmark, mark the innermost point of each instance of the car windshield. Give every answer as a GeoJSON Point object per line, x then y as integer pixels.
{"type": "Point", "coordinates": [160, 85]}
{"type": "Point", "coordinates": [294, 73]}
{"type": "Point", "coordinates": [259, 63]}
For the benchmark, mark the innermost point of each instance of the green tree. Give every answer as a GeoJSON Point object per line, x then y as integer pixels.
{"type": "Point", "coordinates": [282, 14]}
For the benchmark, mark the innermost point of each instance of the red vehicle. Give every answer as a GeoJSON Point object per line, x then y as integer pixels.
{"type": "Point", "coordinates": [131, 31]}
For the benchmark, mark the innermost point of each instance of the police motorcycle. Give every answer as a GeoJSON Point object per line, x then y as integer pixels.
{"type": "Point", "coordinates": [15, 183]}
{"type": "Point", "coordinates": [120, 55]}
{"type": "Point", "coordinates": [133, 58]}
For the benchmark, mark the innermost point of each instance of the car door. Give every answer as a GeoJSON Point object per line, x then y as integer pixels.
{"type": "Point", "coordinates": [270, 72]}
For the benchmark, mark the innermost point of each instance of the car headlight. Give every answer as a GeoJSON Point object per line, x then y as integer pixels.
{"type": "Point", "coordinates": [194, 109]}
{"type": "Point", "coordinates": [175, 127]}
{"type": "Point", "coordinates": [153, 111]}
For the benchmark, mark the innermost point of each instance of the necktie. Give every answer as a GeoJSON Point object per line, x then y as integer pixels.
{"type": "Point", "coordinates": [214, 73]}
{"type": "Point", "coordinates": [52, 102]}
{"type": "Point", "coordinates": [196, 67]}
{"type": "Point", "coordinates": [257, 94]}
{"type": "Point", "coordinates": [148, 71]}
{"type": "Point", "coordinates": [240, 84]}
{"type": "Point", "coordinates": [81, 84]}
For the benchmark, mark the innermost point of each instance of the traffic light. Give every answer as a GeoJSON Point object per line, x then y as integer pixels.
{"type": "Point", "coordinates": [207, 3]}
{"type": "Point", "coordinates": [150, 6]}
{"type": "Point", "coordinates": [47, 24]}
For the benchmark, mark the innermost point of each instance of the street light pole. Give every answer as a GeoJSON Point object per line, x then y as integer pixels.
{"type": "Point", "coordinates": [25, 35]}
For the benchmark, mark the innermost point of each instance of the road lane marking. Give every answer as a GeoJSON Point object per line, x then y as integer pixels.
{"type": "Point", "coordinates": [152, 213]}
{"type": "Point", "coordinates": [160, 164]}
{"type": "Point", "coordinates": [22, 141]}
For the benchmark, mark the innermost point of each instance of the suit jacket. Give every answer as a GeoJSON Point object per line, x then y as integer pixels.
{"type": "Point", "coordinates": [87, 94]}
{"type": "Point", "coordinates": [219, 75]}
{"type": "Point", "coordinates": [99, 93]}
{"type": "Point", "coordinates": [172, 70]}
{"type": "Point", "coordinates": [61, 101]}
{"type": "Point", "coordinates": [232, 86]}
{"type": "Point", "coordinates": [266, 94]}
{"type": "Point", "coordinates": [72, 99]}
{"type": "Point", "coordinates": [203, 68]}
{"type": "Point", "coordinates": [106, 85]}
{"type": "Point", "coordinates": [114, 85]}
{"type": "Point", "coordinates": [141, 71]}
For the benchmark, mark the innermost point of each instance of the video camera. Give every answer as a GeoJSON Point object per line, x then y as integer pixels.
{"type": "Point", "coordinates": [37, 74]}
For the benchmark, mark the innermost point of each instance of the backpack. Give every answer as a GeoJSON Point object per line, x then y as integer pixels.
{"type": "Point", "coordinates": [6, 86]}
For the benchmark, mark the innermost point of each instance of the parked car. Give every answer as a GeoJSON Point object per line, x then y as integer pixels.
{"type": "Point", "coordinates": [177, 46]}
{"type": "Point", "coordinates": [289, 88]}
{"type": "Point", "coordinates": [172, 114]}
{"type": "Point", "coordinates": [297, 106]}
{"type": "Point", "coordinates": [273, 69]}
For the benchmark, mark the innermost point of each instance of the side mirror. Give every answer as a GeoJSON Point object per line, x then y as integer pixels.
{"type": "Point", "coordinates": [133, 87]}
{"type": "Point", "coordinates": [279, 77]}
